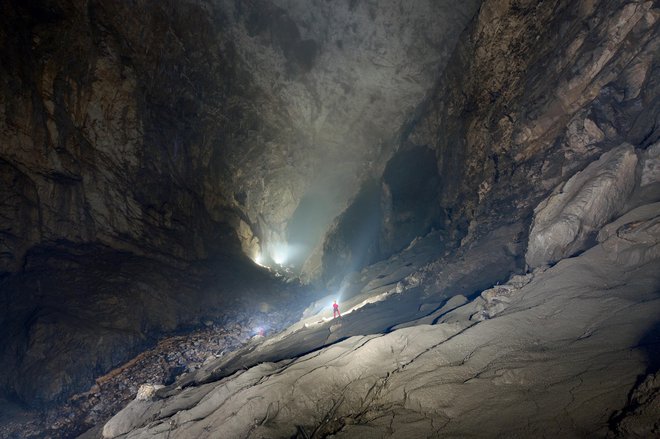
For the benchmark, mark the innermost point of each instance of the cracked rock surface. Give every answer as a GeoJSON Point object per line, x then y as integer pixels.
{"type": "Point", "coordinates": [565, 350]}
{"type": "Point", "coordinates": [559, 359]}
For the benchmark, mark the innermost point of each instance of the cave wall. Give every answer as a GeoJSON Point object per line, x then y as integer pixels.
{"type": "Point", "coordinates": [534, 92]}
{"type": "Point", "coordinates": [548, 88]}
{"type": "Point", "coordinates": [110, 147]}
{"type": "Point", "coordinates": [115, 222]}
{"type": "Point", "coordinates": [208, 113]}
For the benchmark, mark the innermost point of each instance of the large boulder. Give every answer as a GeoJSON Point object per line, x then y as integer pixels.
{"type": "Point", "coordinates": [564, 222]}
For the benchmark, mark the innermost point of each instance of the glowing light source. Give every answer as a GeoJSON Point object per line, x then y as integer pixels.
{"type": "Point", "coordinates": [280, 253]}
{"type": "Point", "coordinates": [279, 259]}
{"type": "Point", "coordinates": [258, 259]}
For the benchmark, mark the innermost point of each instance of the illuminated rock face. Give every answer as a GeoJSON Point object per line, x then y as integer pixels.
{"type": "Point", "coordinates": [347, 75]}
{"type": "Point", "coordinates": [552, 348]}
{"type": "Point", "coordinates": [577, 209]}
{"type": "Point", "coordinates": [529, 98]}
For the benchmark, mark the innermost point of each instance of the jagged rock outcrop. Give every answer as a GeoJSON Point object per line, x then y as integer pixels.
{"type": "Point", "coordinates": [568, 221]}
{"type": "Point", "coordinates": [531, 96]}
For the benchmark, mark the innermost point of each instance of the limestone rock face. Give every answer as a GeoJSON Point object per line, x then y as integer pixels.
{"type": "Point", "coordinates": [106, 135]}
{"type": "Point", "coordinates": [147, 147]}
{"type": "Point", "coordinates": [91, 135]}
{"type": "Point", "coordinates": [649, 177]}
{"type": "Point", "coordinates": [651, 166]}
{"type": "Point", "coordinates": [530, 97]}
{"type": "Point", "coordinates": [564, 221]}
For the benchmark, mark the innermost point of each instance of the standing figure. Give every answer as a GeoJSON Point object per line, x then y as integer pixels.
{"type": "Point", "coordinates": [335, 310]}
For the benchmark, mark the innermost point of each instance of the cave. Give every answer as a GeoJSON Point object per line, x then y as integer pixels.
{"type": "Point", "coordinates": [188, 188]}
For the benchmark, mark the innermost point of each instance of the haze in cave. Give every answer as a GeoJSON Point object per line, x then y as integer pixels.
{"type": "Point", "coordinates": [188, 188]}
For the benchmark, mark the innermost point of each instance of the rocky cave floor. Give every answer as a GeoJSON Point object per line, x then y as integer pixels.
{"type": "Point", "coordinates": [172, 356]}
{"type": "Point", "coordinates": [566, 350]}
{"type": "Point", "coordinates": [570, 347]}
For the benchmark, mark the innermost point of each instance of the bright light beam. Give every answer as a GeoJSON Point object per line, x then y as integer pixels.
{"type": "Point", "coordinates": [280, 254]}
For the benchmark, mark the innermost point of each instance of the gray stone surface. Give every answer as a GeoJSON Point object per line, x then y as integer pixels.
{"type": "Point", "coordinates": [127, 419]}
{"type": "Point", "coordinates": [651, 166]}
{"type": "Point", "coordinates": [562, 355]}
{"type": "Point", "coordinates": [565, 221]}
{"type": "Point", "coordinates": [529, 98]}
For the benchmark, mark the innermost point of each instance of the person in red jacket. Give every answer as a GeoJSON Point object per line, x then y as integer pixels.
{"type": "Point", "coordinates": [335, 310]}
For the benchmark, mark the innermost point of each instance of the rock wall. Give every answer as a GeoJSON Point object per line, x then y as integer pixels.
{"type": "Point", "coordinates": [107, 124]}
{"type": "Point", "coordinates": [538, 98]}
{"type": "Point", "coordinates": [115, 222]}
{"type": "Point", "coordinates": [151, 127]}
{"type": "Point", "coordinates": [534, 92]}
{"type": "Point", "coordinates": [564, 222]}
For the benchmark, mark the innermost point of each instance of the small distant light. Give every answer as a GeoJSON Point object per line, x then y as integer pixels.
{"type": "Point", "coordinates": [280, 254]}
{"type": "Point", "coordinates": [259, 260]}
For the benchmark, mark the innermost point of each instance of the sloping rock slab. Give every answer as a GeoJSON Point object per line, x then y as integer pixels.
{"type": "Point", "coordinates": [558, 361]}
